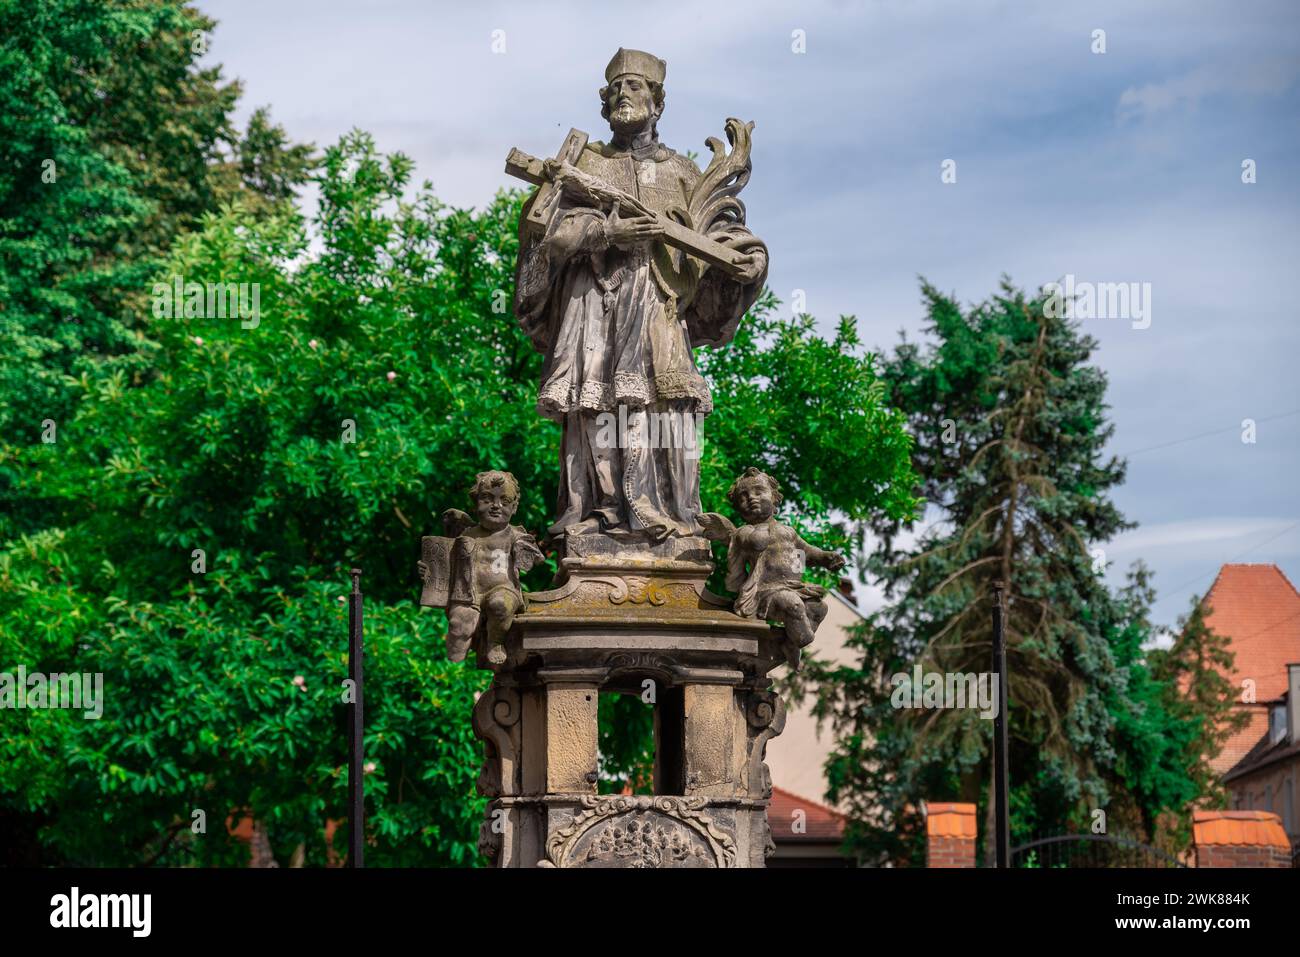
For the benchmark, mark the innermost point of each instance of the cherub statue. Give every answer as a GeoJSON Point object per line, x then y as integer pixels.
{"type": "Point", "coordinates": [766, 560]}
{"type": "Point", "coordinates": [473, 571]}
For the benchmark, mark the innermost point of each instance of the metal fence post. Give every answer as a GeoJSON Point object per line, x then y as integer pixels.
{"type": "Point", "coordinates": [356, 729]}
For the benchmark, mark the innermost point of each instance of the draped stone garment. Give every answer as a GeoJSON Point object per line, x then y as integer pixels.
{"type": "Point", "coordinates": [617, 327]}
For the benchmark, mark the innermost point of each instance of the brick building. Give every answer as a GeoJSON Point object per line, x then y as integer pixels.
{"type": "Point", "coordinates": [1268, 777]}
{"type": "Point", "coordinates": [806, 833]}
{"type": "Point", "coordinates": [1258, 609]}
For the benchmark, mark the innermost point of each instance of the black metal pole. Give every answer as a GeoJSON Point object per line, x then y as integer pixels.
{"type": "Point", "coordinates": [1001, 831]}
{"type": "Point", "coordinates": [356, 730]}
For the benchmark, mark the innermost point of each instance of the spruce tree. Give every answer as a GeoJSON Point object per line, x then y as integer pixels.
{"type": "Point", "coordinates": [1009, 416]}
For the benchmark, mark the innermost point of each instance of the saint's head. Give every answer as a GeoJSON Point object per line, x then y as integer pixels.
{"type": "Point", "coordinates": [632, 99]}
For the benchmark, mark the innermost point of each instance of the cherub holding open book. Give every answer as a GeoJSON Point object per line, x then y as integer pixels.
{"type": "Point", "coordinates": [766, 561]}
{"type": "Point", "coordinates": [474, 570]}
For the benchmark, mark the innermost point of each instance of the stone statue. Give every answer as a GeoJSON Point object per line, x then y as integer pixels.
{"type": "Point", "coordinates": [474, 571]}
{"type": "Point", "coordinates": [629, 258]}
{"type": "Point", "coordinates": [766, 561]}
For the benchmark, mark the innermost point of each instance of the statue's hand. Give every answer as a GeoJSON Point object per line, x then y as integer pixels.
{"type": "Point", "coordinates": [631, 230]}
{"type": "Point", "coordinates": [753, 264]}
{"type": "Point", "coordinates": [454, 522]}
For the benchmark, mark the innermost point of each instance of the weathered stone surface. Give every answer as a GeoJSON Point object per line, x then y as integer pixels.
{"type": "Point", "coordinates": [610, 546]}
{"type": "Point", "coordinates": [571, 745]}
{"type": "Point", "coordinates": [629, 258]}
{"type": "Point", "coordinates": [712, 765]}
{"type": "Point", "coordinates": [640, 832]}
{"type": "Point", "coordinates": [714, 716]}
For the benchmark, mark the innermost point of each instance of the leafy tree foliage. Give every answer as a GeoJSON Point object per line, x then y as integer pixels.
{"type": "Point", "coordinates": [1195, 673]}
{"type": "Point", "coordinates": [384, 371]}
{"type": "Point", "coordinates": [113, 142]}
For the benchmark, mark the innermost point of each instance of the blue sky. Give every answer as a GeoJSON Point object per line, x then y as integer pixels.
{"type": "Point", "coordinates": [1115, 167]}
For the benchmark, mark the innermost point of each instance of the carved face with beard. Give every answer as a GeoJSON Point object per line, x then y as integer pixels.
{"type": "Point", "coordinates": [633, 104]}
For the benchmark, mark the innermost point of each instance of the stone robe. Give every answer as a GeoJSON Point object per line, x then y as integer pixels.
{"type": "Point", "coordinates": [617, 327]}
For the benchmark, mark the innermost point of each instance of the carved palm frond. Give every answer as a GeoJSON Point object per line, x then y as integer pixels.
{"type": "Point", "coordinates": [714, 201]}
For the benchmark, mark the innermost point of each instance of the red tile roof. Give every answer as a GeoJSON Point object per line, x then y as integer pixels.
{"type": "Point", "coordinates": [820, 823]}
{"type": "Point", "coordinates": [1238, 828]}
{"type": "Point", "coordinates": [947, 819]}
{"type": "Point", "coordinates": [1258, 609]}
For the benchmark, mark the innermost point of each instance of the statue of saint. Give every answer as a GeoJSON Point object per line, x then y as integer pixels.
{"type": "Point", "coordinates": [629, 258]}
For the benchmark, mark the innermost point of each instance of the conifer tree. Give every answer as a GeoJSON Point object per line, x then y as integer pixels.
{"type": "Point", "coordinates": [1009, 416]}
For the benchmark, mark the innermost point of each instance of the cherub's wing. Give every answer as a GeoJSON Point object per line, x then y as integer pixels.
{"type": "Point", "coordinates": [454, 522]}
{"type": "Point", "coordinates": [527, 554]}
{"type": "Point", "coordinates": [717, 528]}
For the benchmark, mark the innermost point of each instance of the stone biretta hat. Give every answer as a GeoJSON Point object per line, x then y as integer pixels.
{"type": "Point", "coordinates": [638, 62]}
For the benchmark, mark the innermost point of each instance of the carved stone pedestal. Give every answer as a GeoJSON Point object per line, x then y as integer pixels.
{"type": "Point", "coordinates": [613, 625]}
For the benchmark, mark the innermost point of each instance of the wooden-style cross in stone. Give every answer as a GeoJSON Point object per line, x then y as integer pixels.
{"type": "Point", "coordinates": [550, 178]}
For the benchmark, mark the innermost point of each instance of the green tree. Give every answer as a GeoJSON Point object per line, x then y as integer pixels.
{"type": "Point", "coordinates": [1010, 425]}
{"type": "Point", "coordinates": [1195, 673]}
{"type": "Point", "coordinates": [1153, 739]}
{"type": "Point", "coordinates": [113, 142]}
{"type": "Point", "coordinates": [385, 370]}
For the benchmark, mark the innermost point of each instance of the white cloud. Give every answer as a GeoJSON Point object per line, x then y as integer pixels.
{"type": "Point", "coordinates": [1266, 78]}
{"type": "Point", "coordinates": [1192, 536]}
